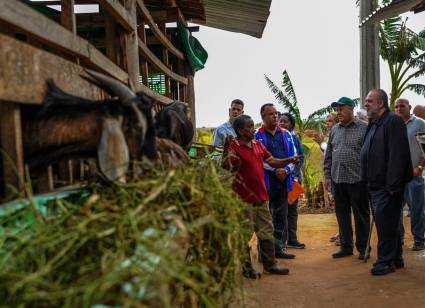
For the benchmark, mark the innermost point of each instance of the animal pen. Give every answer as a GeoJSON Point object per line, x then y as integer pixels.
{"type": "Point", "coordinates": [134, 41]}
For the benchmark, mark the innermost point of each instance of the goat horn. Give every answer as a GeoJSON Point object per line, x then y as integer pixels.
{"type": "Point", "coordinates": [113, 87]}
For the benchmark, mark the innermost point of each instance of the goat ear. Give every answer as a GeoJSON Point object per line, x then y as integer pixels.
{"type": "Point", "coordinates": [113, 151]}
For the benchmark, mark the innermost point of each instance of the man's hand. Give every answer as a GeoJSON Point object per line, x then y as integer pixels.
{"type": "Point", "coordinates": [227, 143]}
{"type": "Point", "coordinates": [281, 174]}
{"type": "Point", "coordinates": [328, 185]}
{"type": "Point", "coordinates": [296, 158]}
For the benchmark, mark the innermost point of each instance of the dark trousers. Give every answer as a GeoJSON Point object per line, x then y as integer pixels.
{"type": "Point", "coordinates": [352, 197]}
{"type": "Point", "coordinates": [386, 210]}
{"type": "Point", "coordinates": [292, 222]}
{"type": "Point", "coordinates": [278, 204]}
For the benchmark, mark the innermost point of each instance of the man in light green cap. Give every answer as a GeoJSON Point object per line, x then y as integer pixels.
{"type": "Point", "coordinates": [342, 171]}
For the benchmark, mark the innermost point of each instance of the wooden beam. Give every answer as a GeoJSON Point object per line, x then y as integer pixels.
{"type": "Point", "coordinates": [157, 32]}
{"type": "Point", "coordinates": [119, 13]}
{"type": "Point", "coordinates": [163, 28]}
{"type": "Point", "coordinates": [131, 45]}
{"type": "Point", "coordinates": [174, 13]}
{"type": "Point", "coordinates": [26, 19]}
{"type": "Point", "coordinates": [68, 16]}
{"type": "Point", "coordinates": [25, 69]}
{"type": "Point", "coordinates": [150, 56]}
{"type": "Point", "coordinates": [191, 100]}
{"type": "Point", "coordinates": [110, 35]}
{"type": "Point", "coordinates": [11, 144]}
{"type": "Point", "coordinates": [143, 63]}
{"type": "Point", "coordinates": [163, 100]}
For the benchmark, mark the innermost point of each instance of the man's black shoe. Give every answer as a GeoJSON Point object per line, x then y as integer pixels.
{"type": "Point", "coordinates": [296, 245]}
{"type": "Point", "coordinates": [380, 270]}
{"type": "Point", "coordinates": [399, 263]}
{"type": "Point", "coordinates": [284, 255]}
{"type": "Point", "coordinates": [418, 247]}
{"type": "Point", "coordinates": [361, 256]}
{"type": "Point", "coordinates": [251, 274]}
{"type": "Point", "coordinates": [341, 254]}
{"type": "Point", "coordinates": [275, 270]}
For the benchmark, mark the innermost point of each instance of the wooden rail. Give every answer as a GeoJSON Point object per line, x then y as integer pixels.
{"type": "Point", "coordinates": [157, 32]}
{"type": "Point", "coordinates": [119, 13]}
{"type": "Point", "coordinates": [23, 76]}
{"type": "Point", "coordinates": [26, 19]}
{"type": "Point", "coordinates": [159, 64]}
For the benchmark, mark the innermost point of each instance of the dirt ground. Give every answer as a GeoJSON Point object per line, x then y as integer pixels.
{"type": "Point", "coordinates": [317, 280]}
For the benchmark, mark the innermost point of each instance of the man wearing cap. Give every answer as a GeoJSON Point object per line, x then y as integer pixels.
{"type": "Point", "coordinates": [342, 171]}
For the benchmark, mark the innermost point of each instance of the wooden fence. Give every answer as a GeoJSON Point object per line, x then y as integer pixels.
{"type": "Point", "coordinates": [38, 43]}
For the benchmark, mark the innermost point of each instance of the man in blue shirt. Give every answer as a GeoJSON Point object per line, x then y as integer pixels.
{"type": "Point", "coordinates": [279, 143]}
{"type": "Point", "coordinates": [226, 129]}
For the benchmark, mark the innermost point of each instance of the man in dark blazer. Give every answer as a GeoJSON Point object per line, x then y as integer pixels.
{"type": "Point", "coordinates": [386, 168]}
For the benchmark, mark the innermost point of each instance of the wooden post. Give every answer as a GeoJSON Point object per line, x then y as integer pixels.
{"type": "Point", "coordinates": [68, 21]}
{"type": "Point", "coordinates": [110, 37]}
{"type": "Point", "coordinates": [131, 45]}
{"type": "Point", "coordinates": [45, 181]}
{"type": "Point", "coordinates": [68, 16]}
{"type": "Point", "coordinates": [11, 144]}
{"type": "Point", "coordinates": [369, 50]}
{"type": "Point", "coordinates": [165, 60]}
{"type": "Point", "coordinates": [191, 99]}
{"type": "Point", "coordinates": [143, 62]}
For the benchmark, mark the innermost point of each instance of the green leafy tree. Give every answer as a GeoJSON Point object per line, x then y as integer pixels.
{"type": "Point", "coordinates": [404, 52]}
{"type": "Point", "coordinates": [286, 97]}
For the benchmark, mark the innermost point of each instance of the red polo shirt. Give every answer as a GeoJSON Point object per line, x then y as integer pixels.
{"type": "Point", "coordinates": [249, 181]}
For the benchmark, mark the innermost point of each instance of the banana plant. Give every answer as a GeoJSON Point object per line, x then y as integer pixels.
{"type": "Point", "coordinates": [286, 97]}
{"type": "Point", "coordinates": [404, 52]}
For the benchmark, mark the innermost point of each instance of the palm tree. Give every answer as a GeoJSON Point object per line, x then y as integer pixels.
{"type": "Point", "coordinates": [286, 97]}
{"type": "Point", "coordinates": [404, 51]}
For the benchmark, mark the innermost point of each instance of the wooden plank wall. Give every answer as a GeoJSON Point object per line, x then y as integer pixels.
{"type": "Point", "coordinates": [52, 50]}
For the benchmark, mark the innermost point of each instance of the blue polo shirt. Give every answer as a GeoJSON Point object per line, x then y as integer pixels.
{"type": "Point", "coordinates": [276, 147]}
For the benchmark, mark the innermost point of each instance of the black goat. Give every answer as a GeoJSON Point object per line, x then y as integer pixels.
{"type": "Point", "coordinates": [173, 122]}
{"type": "Point", "coordinates": [113, 130]}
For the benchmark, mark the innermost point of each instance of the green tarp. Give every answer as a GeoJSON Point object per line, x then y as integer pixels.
{"type": "Point", "coordinates": [196, 55]}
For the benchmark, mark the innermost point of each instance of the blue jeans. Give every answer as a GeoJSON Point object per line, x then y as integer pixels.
{"type": "Point", "coordinates": [414, 194]}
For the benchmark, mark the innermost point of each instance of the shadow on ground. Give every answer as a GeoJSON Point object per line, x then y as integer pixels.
{"type": "Point", "coordinates": [317, 280]}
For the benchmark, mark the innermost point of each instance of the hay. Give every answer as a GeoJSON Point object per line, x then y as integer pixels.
{"type": "Point", "coordinates": [173, 239]}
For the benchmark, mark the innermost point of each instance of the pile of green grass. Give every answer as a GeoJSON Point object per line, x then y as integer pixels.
{"type": "Point", "coordinates": [175, 238]}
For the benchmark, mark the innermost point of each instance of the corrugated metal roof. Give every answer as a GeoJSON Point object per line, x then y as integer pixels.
{"type": "Point", "coordinates": [242, 16]}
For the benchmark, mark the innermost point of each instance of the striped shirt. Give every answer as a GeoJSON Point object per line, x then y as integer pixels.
{"type": "Point", "coordinates": [342, 157]}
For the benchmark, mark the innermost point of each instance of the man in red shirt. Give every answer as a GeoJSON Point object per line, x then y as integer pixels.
{"type": "Point", "coordinates": [246, 156]}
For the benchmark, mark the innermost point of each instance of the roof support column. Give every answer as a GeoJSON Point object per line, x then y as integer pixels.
{"type": "Point", "coordinates": [369, 50]}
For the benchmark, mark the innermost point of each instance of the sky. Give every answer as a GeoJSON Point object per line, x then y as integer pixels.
{"type": "Point", "coordinates": [317, 42]}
